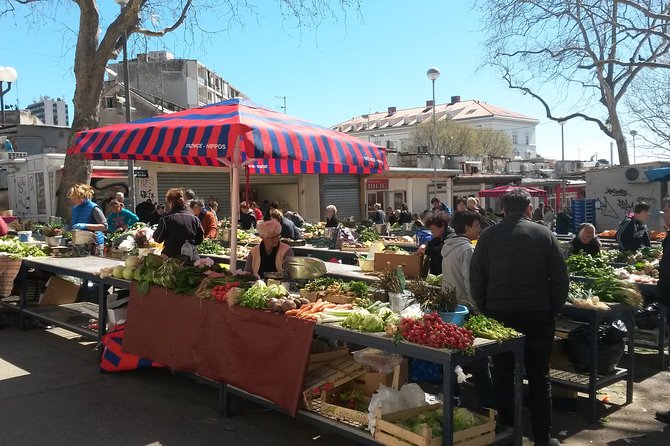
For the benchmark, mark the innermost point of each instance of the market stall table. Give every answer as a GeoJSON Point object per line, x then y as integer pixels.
{"type": "Point", "coordinates": [590, 383]}
{"type": "Point", "coordinates": [75, 316]}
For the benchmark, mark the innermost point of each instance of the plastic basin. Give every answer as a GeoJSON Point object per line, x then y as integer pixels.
{"type": "Point", "coordinates": [457, 317]}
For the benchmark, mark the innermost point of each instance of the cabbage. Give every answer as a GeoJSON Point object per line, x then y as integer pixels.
{"type": "Point", "coordinates": [373, 323]}
{"type": "Point", "coordinates": [464, 419]}
{"type": "Point", "coordinates": [385, 313]}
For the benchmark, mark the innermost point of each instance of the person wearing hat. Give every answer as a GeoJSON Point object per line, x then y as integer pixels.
{"type": "Point", "coordinates": [268, 256]}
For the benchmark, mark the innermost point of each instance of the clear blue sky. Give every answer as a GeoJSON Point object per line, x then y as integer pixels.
{"type": "Point", "coordinates": [342, 69]}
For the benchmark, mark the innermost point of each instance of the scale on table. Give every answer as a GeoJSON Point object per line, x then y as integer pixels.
{"type": "Point", "coordinates": [303, 269]}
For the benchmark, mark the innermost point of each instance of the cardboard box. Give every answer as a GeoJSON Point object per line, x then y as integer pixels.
{"type": "Point", "coordinates": [330, 375]}
{"type": "Point", "coordinates": [559, 355]}
{"type": "Point", "coordinates": [411, 264]}
{"type": "Point", "coordinates": [59, 291]}
{"type": "Point", "coordinates": [317, 359]}
{"type": "Point", "coordinates": [370, 381]}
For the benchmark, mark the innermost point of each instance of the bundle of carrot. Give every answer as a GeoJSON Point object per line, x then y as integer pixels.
{"type": "Point", "coordinates": [322, 311]}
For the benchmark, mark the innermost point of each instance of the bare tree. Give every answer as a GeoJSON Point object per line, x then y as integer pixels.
{"type": "Point", "coordinates": [457, 139]}
{"type": "Point", "coordinates": [649, 105]}
{"type": "Point", "coordinates": [595, 48]}
{"type": "Point", "coordinates": [94, 48]}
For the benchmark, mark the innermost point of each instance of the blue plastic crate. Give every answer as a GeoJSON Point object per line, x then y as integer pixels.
{"type": "Point", "coordinates": [425, 371]}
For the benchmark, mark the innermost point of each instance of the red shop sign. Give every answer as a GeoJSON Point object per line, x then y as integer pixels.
{"type": "Point", "coordinates": [377, 184]}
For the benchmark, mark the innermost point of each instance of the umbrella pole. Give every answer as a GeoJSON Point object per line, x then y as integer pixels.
{"type": "Point", "coordinates": [234, 206]}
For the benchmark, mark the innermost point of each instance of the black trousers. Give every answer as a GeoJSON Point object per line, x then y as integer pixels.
{"type": "Point", "coordinates": [539, 328]}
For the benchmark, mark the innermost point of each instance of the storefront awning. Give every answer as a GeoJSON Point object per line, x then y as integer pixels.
{"type": "Point", "coordinates": [658, 174]}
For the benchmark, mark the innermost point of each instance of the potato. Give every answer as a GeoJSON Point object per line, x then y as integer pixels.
{"type": "Point", "coordinates": [288, 305]}
{"type": "Point", "coordinates": [271, 302]}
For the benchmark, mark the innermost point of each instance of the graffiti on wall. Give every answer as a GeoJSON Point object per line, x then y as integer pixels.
{"type": "Point", "coordinates": [146, 189]}
{"type": "Point", "coordinates": [605, 208]}
{"type": "Point", "coordinates": [617, 192]}
{"type": "Point", "coordinates": [22, 196]}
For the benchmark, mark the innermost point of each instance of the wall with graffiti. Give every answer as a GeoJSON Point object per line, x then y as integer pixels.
{"type": "Point", "coordinates": [616, 196]}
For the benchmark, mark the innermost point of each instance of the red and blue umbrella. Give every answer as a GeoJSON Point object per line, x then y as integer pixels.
{"type": "Point", "coordinates": [270, 142]}
{"type": "Point", "coordinates": [499, 191]}
{"type": "Point", "coordinates": [234, 133]}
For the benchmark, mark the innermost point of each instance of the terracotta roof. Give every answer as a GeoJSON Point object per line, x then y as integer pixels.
{"type": "Point", "coordinates": [459, 111]}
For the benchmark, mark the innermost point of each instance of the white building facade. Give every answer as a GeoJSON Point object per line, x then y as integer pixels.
{"type": "Point", "coordinates": [51, 111]}
{"type": "Point", "coordinates": [393, 128]}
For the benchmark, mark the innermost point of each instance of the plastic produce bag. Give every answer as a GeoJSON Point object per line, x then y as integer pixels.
{"type": "Point", "coordinates": [189, 250]}
{"type": "Point", "coordinates": [391, 400]}
{"type": "Point", "coordinates": [378, 360]}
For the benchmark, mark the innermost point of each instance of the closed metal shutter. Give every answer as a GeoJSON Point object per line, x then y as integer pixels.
{"type": "Point", "coordinates": [342, 191]}
{"type": "Point", "coordinates": [206, 185]}
{"type": "Point", "coordinates": [269, 179]}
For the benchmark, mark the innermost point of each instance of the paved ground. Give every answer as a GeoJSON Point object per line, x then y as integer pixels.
{"type": "Point", "coordinates": [52, 393]}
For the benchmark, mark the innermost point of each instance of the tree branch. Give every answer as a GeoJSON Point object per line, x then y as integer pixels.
{"type": "Point", "coordinates": [164, 31]}
{"type": "Point", "coordinates": [547, 109]}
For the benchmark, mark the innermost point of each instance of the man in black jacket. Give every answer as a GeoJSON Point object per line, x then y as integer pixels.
{"type": "Point", "coordinates": [632, 233]}
{"type": "Point", "coordinates": [519, 277]}
{"type": "Point", "coordinates": [663, 287]}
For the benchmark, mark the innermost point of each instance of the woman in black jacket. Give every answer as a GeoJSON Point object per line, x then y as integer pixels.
{"type": "Point", "coordinates": [179, 226]}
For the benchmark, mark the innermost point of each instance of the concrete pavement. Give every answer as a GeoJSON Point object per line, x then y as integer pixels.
{"type": "Point", "coordinates": [51, 393]}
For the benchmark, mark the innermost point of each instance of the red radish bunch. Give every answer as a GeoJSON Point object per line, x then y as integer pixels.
{"type": "Point", "coordinates": [431, 330]}
{"type": "Point", "coordinates": [219, 292]}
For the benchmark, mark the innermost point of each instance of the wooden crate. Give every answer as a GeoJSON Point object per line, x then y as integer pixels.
{"type": "Point", "coordinates": [390, 434]}
{"type": "Point", "coordinates": [331, 408]}
{"type": "Point", "coordinates": [317, 359]}
{"type": "Point", "coordinates": [330, 375]}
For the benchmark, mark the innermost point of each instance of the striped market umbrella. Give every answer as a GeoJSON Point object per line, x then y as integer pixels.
{"type": "Point", "coordinates": [234, 133]}
{"type": "Point", "coordinates": [499, 191]}
{"type": "Point", "coordinates": [269, 142]}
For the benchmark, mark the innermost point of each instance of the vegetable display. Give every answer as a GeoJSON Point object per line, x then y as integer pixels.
{"type": "Point", "coordinates": [584, 265]}
{"type": "Point", "coordinates": [210, 247]}
{"type": "Point", "coordinates": [367, 235]}
{"type": "Point", "coordinates": [373, 319]}
{"type": "Point", "coordinates": [17, 249]}
{"type": "Point", "coordinates": [584, 298]}
{"type": "Point", "coordinates": [328, 285]}
{"type": "Point", "coordinates": [434, 280]}
{"type": "Point", "coordinates": [432, 419]}
{"type": "Point", "coordinates": [258, 295]}
{"type": "Point", "coordinates": [615, 290]}
{"type": "Point", "coordinates": [485, 327]}
{"type": "Point", "coordinates": [433, 298]}
{"type": "Point", "coordinates": [431, 330]}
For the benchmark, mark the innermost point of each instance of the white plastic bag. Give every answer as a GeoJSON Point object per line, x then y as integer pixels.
{"type": "Point", "coordinates": [378, 360]}
{"type": "Point", "coordinates": [189, 250]}
{"type": "Point", "coordinates": [390, 400]}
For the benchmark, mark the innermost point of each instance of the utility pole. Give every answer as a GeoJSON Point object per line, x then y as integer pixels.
{"type": "Point", "coordinates": [283, 107]}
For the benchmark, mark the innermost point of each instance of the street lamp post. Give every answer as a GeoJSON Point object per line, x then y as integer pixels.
{"type": "Point", "coordinates": [562, 124]}
{"type": "Point", "coordinates": [7, 74]}
{"type": "Point", "coordinates": [126, 88]}
{"type": "Point", "coordinates": [432, 74]}
{"type": "Point", "coordinates": [634, 134]}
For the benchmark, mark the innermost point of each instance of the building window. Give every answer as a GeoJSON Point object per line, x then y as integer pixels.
{"type": "Point", "coordinates": [515, 138]}
{"type": "Point", "coordinates": [527, 139]}
{"type": "Point", "coordinates": [109, 102]}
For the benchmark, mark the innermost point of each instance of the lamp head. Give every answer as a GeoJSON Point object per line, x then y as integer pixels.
{"type": "Point", "coordinates": [122, 2]}
{"type": "Point", "coordinates": [561, 123]}
{"type": "Point", "coordinates": [433, 73]}
{"type": "Point", "coordinates": [634, 133]}
{"type": "Point", "coordinates": [7, 74]}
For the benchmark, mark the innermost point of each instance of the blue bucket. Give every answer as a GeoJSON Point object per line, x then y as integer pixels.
{"type": "Point", "coordinates": [24, 236]}
{"type": "Point", "coordinates": [457, 317]}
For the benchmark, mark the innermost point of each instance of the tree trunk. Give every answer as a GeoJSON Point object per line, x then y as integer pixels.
{"type": "Point", "coordinates": [619, 137]}
{"type": "Point", "coordinates": [89, 76]}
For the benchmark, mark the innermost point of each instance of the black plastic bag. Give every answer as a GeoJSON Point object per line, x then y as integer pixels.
{"type": "Point", "coordinates": [610, 347]}
{"type": "Point", "coordinates": [649, 317]}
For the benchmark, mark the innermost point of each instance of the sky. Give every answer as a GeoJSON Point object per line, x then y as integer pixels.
{"type": "Point", "coordinates": [350, 65]}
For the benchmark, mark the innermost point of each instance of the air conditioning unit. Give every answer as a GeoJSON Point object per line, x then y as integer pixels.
{"type": "Point", "coordinates": [635, 175]}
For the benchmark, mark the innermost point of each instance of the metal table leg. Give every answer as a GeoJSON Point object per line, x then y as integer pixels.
{"type": "Point", "coordinates": [631, 358]}
{"type": "Point", "coordinates": [518, 393]}
{"type": "Point", "coordinates": [23, 280]}
{"type": "Point", "coordinates": [447, 404]}
{"type": "Point", "coordinates": [662, 323]}
{"type": "Point", "coordinates": [593, 368]}
{"type": "Point", "coordinates": [102, 317]}
{"type": "Point", "coordinates": [224, 401]}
